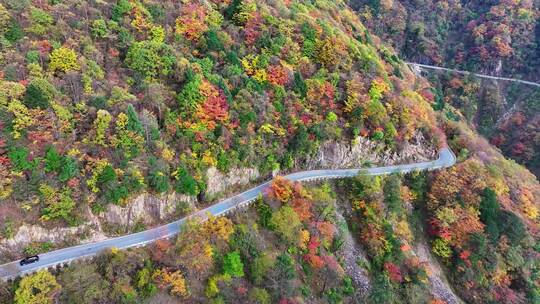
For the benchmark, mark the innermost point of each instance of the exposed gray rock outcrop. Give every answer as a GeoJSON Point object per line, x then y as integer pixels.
{"type": "Point", "coordinates": [27, 234]}
{"type": "Point", "coordinates": [440, 288]}
{"type": "Point", "coordinates": [219, 182]}
{"type": "Point", "coordinates": [148, 208]}
{"type": "Point", "coordinates": [334, 155]}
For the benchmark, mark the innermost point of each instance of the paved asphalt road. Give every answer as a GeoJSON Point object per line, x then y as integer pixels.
{"type": "Point", "coordinates": [61, 256]}
{"type": "Point", "coordinates": [426, 66]}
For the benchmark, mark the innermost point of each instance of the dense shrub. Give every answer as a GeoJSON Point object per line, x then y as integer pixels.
{"type": "Point", "coordinates": [14, 31]}
{"type": "Point", "coordinates": [232, 265]}
{"type": "Point", "coordinates": [99, 28]}
{"type": "Point", "coordinates": [40, 21]}
{"type": "Point", "coordinates": [158, 176]}
{"type": "Point", "coordinates": [39, 94]}
{"type": "Point", "coordinates": [150, 59]}
{"type": "Point", "coordinates": [63, 59]}
{"type": "Point", "coordinates": [185, 183]}
{"type": "Point", "coordinates": [18, 156]}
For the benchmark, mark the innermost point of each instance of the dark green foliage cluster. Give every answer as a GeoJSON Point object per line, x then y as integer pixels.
{"type": "Point", "coordinates": [150, 58]}
{"type": "Point", "coordinates": [158, 176]}
{"type": "Point", "coordinates": [185, 183]}
{"type": "Point", "coordinates": [134, 124]}
{"type": "Point", "coordinates": [39, 94]}
{"type": "Point", "coordinates": [108, 183]}
{"type": "Point", "coordinates": [14, 32]}
{"type": "Point", "coordinates": [121, 8]}
{"type": "Point", "coordinates": [392, 194]}
{"type": "Point", "coordinates": [490, 212]}
{"type": "Point", "coordinates": [265, 213]}
{"type": "Point", "coordinates": [19, 158]}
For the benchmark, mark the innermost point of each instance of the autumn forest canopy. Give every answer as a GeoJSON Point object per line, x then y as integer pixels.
{"type": "Point", "coordinates": [145, 96]}
{"type": "Point", "coordinates": [146, 107]}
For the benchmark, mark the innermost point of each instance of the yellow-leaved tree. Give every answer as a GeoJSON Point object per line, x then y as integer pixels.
{"type": "Point", "coordinates": [63, 59]}
{"type": "Point", "coordinates": [174, 280]}
{"type": "Point", "coordinates": [39, 288]}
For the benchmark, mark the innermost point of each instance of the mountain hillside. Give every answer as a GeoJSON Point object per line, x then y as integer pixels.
{"type": "Point", "coordinates": [508, 114]}
{"type": "Point", "coordinates": [491, 37]}
{"type": "Point", "coordinates": [102, 101]}
{"type": "Point", "coordinates": [119, 115]}
{"type": "Point", "coordinates": [500, 38]}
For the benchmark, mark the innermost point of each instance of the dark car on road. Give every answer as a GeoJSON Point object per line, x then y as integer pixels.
{"type": "Point", "coordinates": [29, 260]}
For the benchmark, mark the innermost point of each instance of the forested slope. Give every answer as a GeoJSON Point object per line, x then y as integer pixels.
{"type": "Point", "coordinates": [479, 218]}
{"type": "Point", "coordinates": [492, 37]}
{"type": "Point", "coordinates": [500, 38]}
{"type": "Point", "coordinates": [104, 100]}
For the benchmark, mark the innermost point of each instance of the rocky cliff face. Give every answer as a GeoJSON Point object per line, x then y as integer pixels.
{"type": "Point", "coordinates": [150, 209]}
{"type": "Point", "coordinates": [12, 248]}
{"type": "Point", "coordinates": [334, 155]}
{"type": "Point", "coordinates": [219, 182]}
{"type": "Point", "coordinates": [147, 208]}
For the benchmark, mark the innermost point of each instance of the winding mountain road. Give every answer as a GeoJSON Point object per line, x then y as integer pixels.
{"type": "Point", "coordinates": [426, 66]}
{"type": "Point", "coordinates": [63, 256]}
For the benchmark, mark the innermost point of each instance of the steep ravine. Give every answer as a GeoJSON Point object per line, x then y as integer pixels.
{"type": "Point", "coordinates": [352, 253]}
{"type": "Point", "coordinates": [440, 288]}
